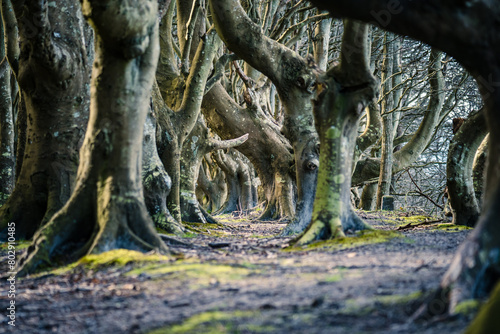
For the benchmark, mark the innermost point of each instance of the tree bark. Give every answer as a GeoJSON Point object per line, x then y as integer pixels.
{"type": "Point", "coordinates": [214, 189]}
{"type": "Point", "coordinates": [479, 169]}
{"type": "Point", "coordinates": [178, 124]}
{"type": "Point", "coordinates": [155, 180]}
{"type": "Point", "coordinates": [53, 74]}
{"type": "Point", "coordinates": [266, 147]}
{"type": "Point", "coordinates": [197, 145]}
{"type": "Point", "coordinates": [7, 153]}
{"type": "Point", "coordinates": [238, 180]}
{"type": "Point", "coordinates": [387, 105]}
{"type": "Point", "coordinates": [294, 79]}
{"type": "Point", "coordinates": [368, 197]}
{"type": "Point", "coordinates": [461, 153]}
{"type": "Point", "coordinates": [343, 94]}
{"type": "Point", "coordinates": [107, 210]}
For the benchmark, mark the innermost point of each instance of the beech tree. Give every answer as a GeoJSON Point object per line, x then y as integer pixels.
{"type": "Point", "coordinates": [197, 145]}
{"type": "Point", "coordinates": [467, 31]}
{"type": "Point", "coordinates": [106, 210]}
{"type": "Point", "coordinates": [179, 92]}
{"type": "Point", "coordinates": [294, 79]}
{"type": "Point", "coordinates": [7, 153]}
{"type": "Point", "coordinates": [461, 154]}
{"type": "Point", "coordinates": [53, 71]}
{"type": "Point", "coordinates": [343, 93]}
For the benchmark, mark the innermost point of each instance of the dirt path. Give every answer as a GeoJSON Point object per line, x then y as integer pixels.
{"type": "Point", "coordinates": [237, 278]}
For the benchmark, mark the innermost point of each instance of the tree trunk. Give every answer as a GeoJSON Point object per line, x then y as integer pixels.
{"type": "Point", "coordinates": [53, 75]}
{"type": "Point", "coordinates": [214, 189]}
{"type": "Point", "coordinates": [266, 147]}
{"type": "Point", "coordinates": [459, 181]}
{"type": "Point", "coordinates": [294, 79]}
{"type": "Point", "coordinates": [343, 93]}
{"type": "Point", "coordinates": [178, 124]}
{"type": "Point", "coordinates": [7, 153]}
{"type": "Point", "coordinates": [387, 105]}
{"type": "Point", "coordinates": [478, 171]}
{"type": "Point", "coordinates": [369, 168]}
{"type": "Point", "coordinates": [197, 145]}
{"type": "Point", "coordinates": [239, 194]}
{"type": "Point", "coordinates": [107, 210]}
{"type": "Point", "coordinates": [156, 182]}
{"type": "Point", "coordinates": [368, 197]}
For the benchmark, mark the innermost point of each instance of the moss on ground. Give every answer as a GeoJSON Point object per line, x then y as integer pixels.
{"type": "Point", "coordinates": [216, 322]}
{"type": "Point", "coordinates": [22, 244]}
{"type": "Point", "coordinates": [113, 258]}
{"type": "Point", "coordinates": [196, 274]}
{"type": "Point", "coordinates": [376, 303]}
{"type": "Point", "coordinates": [215, 230]}
{"type": "Point", "coordinates": [367, 237]}
{"type": "Point", "coordinates": [449, 227]}
{"type": "Point", "coordinates": [467, 307]}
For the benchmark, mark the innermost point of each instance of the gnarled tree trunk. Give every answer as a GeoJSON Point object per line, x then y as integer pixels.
{"type": "Point", "coordinates": [461, 153]}
{"type": "Point", "coordinates": [107, 210]}
{"type": "Point", "coordinates": [54, 72]}
{"type": "Point", "coordinates": [156, 181]}
{"type": "Point", "coordinates": [266, 147]}
{"type": "Point", "coordinates": [197, 145]}
{"type": "Point", "coordinates": [294, 79]}
{"type": "Point", "coordinates": [343, 94]}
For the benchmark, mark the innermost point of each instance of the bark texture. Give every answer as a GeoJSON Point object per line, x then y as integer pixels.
{"type": "Point", "coordinates": [215, 189]}
{"type": "Point", "coordinates": [107, 210]}
{"type": "Point", "coordinates": [7, 153]}
{"type": "Point", "coordinates": [196, 146]}
{"type": "Point", "coordinates": [463, 148]}
{"type": "Point", "coordinates": [156, 182]}
{"type": "Point", "coordinates": [479, 171]}
{"type": "Point", "coordinates": [386, 159]}
{"type": "Point", "coordinates": [53, 74]}
{"type": "Point", "coordinates": [294, 79]}
{"type": "Point", "coordinates": [176, 125]}
{"type": "Point", "coordinates": [343, 94]}
{"type": "Point", "coordinates": [266, 148]}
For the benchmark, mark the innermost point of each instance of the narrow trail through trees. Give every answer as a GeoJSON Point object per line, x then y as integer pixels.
{"type": "Point", "coordinates": [238, 277]}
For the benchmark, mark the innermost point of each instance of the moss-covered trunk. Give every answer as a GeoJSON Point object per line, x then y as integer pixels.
{"type": "Point", "coordinates": [107, 210]}
{"type": "Point", "coordinates": [156, 181]}
{"type": "Point", "coordinates": [343, 93]}
{"type": "Point", "coordinates": [461, 153]}
{"type": "Point", "coordinates": [54, 72]}
{"type": "Point", "coordinates": [7, 153]}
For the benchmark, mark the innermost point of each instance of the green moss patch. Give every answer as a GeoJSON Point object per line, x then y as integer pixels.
{"type": "Point", "coordinates": [367, 237]}
{"type": "Point", "coordinates": [113, 258]}
{"type": "Point", "coordinates": [450, 227]}
{"type": "Point", "coordinates": [198, 274]}
{"type": "Point", "coordinates": [215, 322]}
{"type": "Point", "coordinates": [119, 257]}
{"type": "Point", "coordinates": [374, 304]}
{"type": "Point", "coordinates": [467, 307]}
{"type": "Point", "coordinates": [215, 230]}
{"type": "Point", "coordinates": [23, 244]}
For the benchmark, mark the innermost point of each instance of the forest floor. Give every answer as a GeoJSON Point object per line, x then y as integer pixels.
{"type": "Point", "coordinates": [238, 277]}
